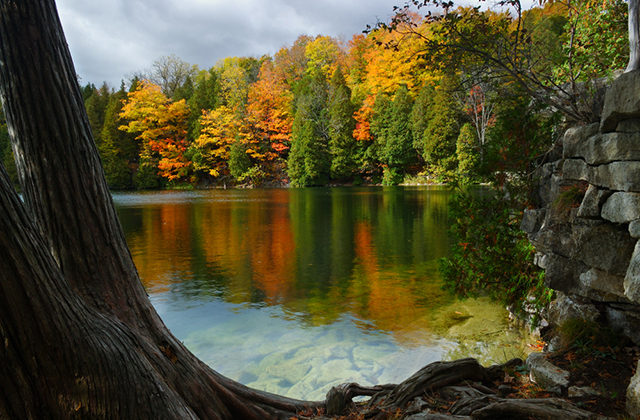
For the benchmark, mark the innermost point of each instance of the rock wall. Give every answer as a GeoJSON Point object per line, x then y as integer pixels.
{"type": "Point", "coordinates": [587, 228]}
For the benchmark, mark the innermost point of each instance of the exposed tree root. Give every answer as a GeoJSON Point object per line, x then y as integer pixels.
{"type": "Point", "coordinates": [465, 380]}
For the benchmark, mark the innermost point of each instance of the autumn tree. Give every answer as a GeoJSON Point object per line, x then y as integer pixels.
{"type": "Point", "coordinates": [478, 105]}
{"type": "Point", "coordinates": [270, 111]}
{"type": "Point", "coordinates": [219, 131]}
{"type": "Point", "coordinates": [161, 125]}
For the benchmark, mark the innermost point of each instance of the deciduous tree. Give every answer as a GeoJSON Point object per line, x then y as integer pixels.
{"type": "Point", "coordinates": [162, 127]}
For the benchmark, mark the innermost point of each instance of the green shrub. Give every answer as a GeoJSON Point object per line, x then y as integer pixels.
{"type": "Point", "coordinates": [491, 256]}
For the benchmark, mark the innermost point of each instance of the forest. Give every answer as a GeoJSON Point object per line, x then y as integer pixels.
{"type": "Point", "coordinates": [468, 96]}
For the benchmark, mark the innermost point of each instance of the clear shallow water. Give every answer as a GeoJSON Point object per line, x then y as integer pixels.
{"type": "Point", "coordinates": [294, 291]}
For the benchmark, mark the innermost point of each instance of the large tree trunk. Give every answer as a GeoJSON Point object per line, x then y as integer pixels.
{"type": "Point", "coordinates": [79, 332]}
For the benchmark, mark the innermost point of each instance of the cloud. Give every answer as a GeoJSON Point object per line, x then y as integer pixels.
{"type": "Point", "coordinates": [110, 39]}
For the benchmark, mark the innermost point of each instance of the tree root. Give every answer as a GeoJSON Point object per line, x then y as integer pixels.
{"type": "Point", "coordinates": [463, 379]}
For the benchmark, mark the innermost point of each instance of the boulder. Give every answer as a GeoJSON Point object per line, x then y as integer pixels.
{"type": "Point", "coordinates": [619, 176]}
{"type": "Point", "coordinates": [575, 170]}
{"type": "Point", "coordinates": [547, 375]}
{"type": "Point", "coordinates": [547, 183]}
{"type": "Point", "coordinates": [592, 202]}
{"type": "Point", "coordinates": [563, 274]}
{"type": "Point", "coordinates": [606, 247]}
{"type": "Point", "coordinates": [634, 229]}
{"type": "Point", "coordinates": [607, 148]}
{"type": "Point", "coordinates": [622, 101]}
{"type": "Point", "coordinates": [622, 207]}
{"type": "Point", "coordinates": [574, 138]}
{"type": "Point", "coordinates": [566, 307]}
{"type": "Point", "coordinates": [601, 286]}
{"type": "Point", "coordinates": [532, 220]}
{"type": "Point", "coordinates": [624, 319]}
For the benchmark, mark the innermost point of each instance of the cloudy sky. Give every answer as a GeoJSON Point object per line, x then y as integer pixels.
{"type": "Point", "coordinates": [110, 39]}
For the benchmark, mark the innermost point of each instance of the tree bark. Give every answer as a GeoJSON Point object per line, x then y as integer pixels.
{"type": "Point", "coordinates": [88, 337]}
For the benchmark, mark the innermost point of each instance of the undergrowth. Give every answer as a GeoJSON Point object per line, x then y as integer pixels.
{"type": "Point", "coordinates": [491, 256]}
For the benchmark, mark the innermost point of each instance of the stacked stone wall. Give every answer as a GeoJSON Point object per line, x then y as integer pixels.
{"type": "Point", "coordinates": [586, 229]}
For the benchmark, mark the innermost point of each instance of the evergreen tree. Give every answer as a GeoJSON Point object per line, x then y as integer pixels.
{"type": "Point", "coordinates": [467, 154]}
{"type": "Point", "coordinates": [420, 115]}
{"type": "Point", "coordinates": [119, 150]}
{"type": "Point", "coordinates": [96, 105]}
{"type": "Point", "coordinates": [309, 161]}
{"type": "Point", "coordinates": [397, 150]}
{"type": "Point", "coordinates": [341, 125]}
{"type": "Point", "coordinates": [206, 96]}
{"type": "Point", "coordinates": [185, 91]}
{"type": "Point", "coordinates": [441, 134]}
{"type": "Point", "coordinates": [239, 161]}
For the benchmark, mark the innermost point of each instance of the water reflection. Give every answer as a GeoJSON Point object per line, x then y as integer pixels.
{"type": "Point", "coordinates": [261, 282]}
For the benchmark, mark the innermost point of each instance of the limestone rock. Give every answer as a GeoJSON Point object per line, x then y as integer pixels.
{"type": "Point", "coordinates": [633, 395]}
{"type": "Point", "coordinates": [634, 229]}
{"type": "Point", "coordinates": [563, 274]}
{"type": "Point", "coordinates": [619, 176]}
{"type": "Point", "coordinates": [601, 286]}
{"type": "Point", "coordinates": [605, 247]}
{"type": "Point", "coordinates": [632, 278]}
{"type": "Point", "coordinates": [565, 307]}
{"type": "Point", "coordinates": [575, 137]}
{"type": "Point", "coordinates": [547, 183]}
{"type": "Point", "coordinates": [532, 220]}
{"type": "Point", "coordinates": [592, 202]}
{"type": "Point", "coordinates": [622, 101]}
{"type": "Point", "coordinates": [622, 207]}
{"type": "Point", "coordinates": [607, 148]}
{"type": "Point", "coordinates": [624, 319]}
{"type": "Point", "coordinates": [575, 170]}
{"type": "Point", "coordinates": [547, 375]}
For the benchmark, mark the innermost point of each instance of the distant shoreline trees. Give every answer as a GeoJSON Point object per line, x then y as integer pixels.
{"type": "Point", "coordinates": [381, 108]}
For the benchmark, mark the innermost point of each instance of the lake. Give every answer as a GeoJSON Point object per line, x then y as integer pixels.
{"type": "Point", "coordinates": [294, 291]}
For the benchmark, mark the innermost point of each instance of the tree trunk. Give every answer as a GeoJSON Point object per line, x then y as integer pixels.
{"type": "Point", "coordinates": [80, 335]}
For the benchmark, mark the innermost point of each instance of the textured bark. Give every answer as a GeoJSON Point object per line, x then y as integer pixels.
{"type": "Point", "coordinates": [69, 282]}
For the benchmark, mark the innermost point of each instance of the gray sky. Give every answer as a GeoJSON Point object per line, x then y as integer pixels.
{"type": "Point", "coordinates": [109, 39]}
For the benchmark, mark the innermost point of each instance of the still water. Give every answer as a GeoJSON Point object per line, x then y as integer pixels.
{"type": "Point", "coordinates": [294, 291]}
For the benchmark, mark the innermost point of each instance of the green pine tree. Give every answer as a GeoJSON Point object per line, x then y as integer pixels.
{"type": "Point", "coordinates": [440, 136]}
{"type": "Point", "coordinates": [96, 105]}
{"type": "Point", "coordinates": [467, 154]}
{"type": "Point", "coordinates": [309, 161]}
{"type": "Point", "coordinates": [342, 145]}
{"type": "Point", "coordinates": [398, 152]}
{"type": "Point", "coordinates": [420, 116]}
{"type": "Point", "coordinates": [119, 150]}
{"type": "Point", "coordinates": [239, 161]}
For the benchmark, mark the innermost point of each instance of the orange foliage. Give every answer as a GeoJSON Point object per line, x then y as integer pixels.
{"type": "Point", "coordinates": [162, 125]}
{"type": "Point", "coordinates": [269, 110]}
